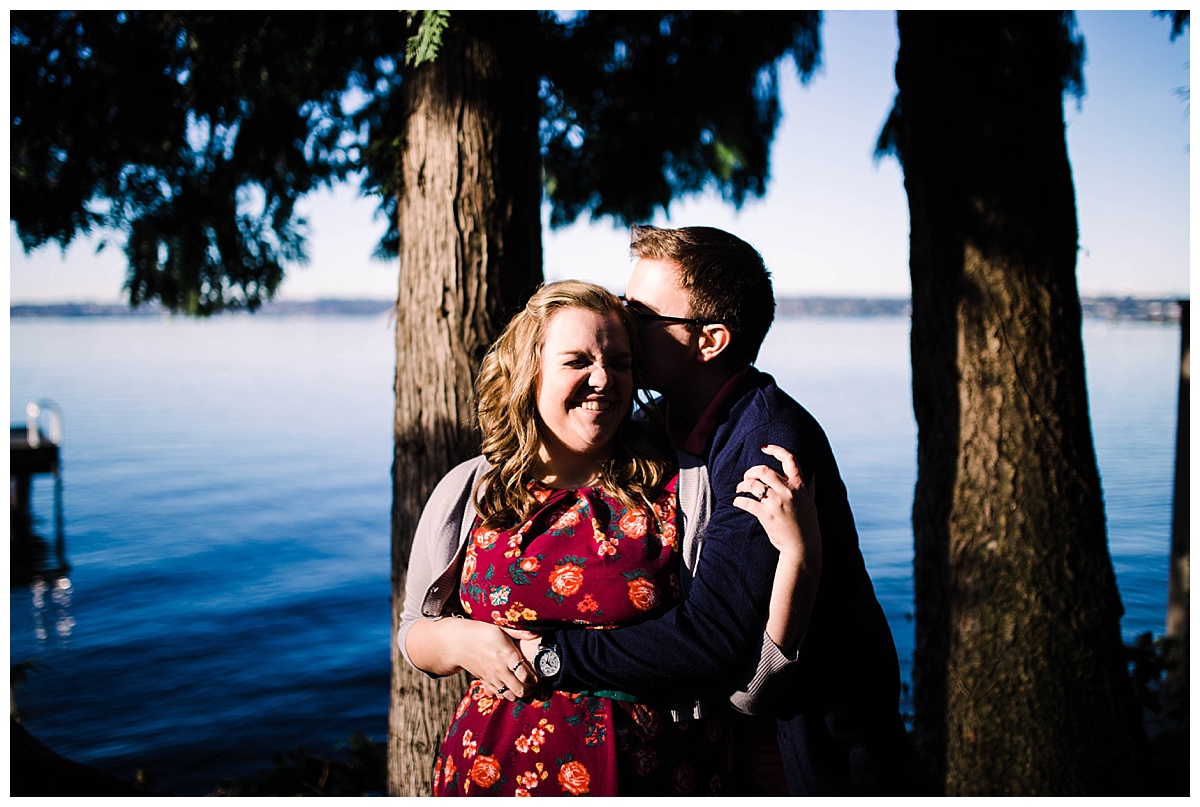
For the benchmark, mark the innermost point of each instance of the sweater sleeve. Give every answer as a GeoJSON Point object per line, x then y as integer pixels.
{"type": "Point", "coordinates": [432, 563]}
{"type": "Point", "coordinates": [754, 694]}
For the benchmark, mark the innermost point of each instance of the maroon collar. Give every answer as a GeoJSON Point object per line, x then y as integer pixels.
{"type": "Point", "coordinates": [694, 440]}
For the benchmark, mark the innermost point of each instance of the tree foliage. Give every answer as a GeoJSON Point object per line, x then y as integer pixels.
{"type": "Point", "coordinates": [423, 45]}
{"type": "Point", "coordinates": [1179, 21]}
{"type": "Point", "coordinates": [194, 134]}
{"type": "Point", "coordinates": [193, 143]}
{"type": "Point", "coordinates": [643, 107]}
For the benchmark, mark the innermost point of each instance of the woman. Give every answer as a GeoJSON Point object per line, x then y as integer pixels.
{"type": "Point", "coordinates": [568, 517]}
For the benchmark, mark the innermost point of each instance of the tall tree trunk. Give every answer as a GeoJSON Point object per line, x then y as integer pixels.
{"type": "Point", "coordinates": [1020, 686]}
{"type": "Point", "coordinates": [470, 252]}
{"type": "Point", "coordinates": [1179, 581]}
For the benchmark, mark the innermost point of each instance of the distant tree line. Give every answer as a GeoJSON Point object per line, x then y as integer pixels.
{"type": "Point", "coordinates": [1157, 309]}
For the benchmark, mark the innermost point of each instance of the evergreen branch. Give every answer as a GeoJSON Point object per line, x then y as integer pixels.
{"type": "Point", "coordinates": [423, 46]}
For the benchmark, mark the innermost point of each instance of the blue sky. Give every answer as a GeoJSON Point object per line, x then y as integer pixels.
{"type": "Point", "coordinates": [834, 221]}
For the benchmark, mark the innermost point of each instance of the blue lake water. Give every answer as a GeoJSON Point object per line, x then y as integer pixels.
{"type": "Point", "coordinates": [226, 498]}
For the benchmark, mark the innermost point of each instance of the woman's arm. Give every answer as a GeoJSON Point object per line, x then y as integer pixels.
{"type": "Point", "coordinates": [448, 645]}
{"type": "Point", "coordinates": [784, 506]}
{"type": "Point", "coordinates": [429, 637]}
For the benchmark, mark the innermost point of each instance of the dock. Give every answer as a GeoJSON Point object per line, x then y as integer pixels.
{"type": "Point", "coordinates": [35, 450]}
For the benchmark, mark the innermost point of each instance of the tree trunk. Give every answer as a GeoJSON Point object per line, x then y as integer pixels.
{"type": "Point", "coordinates": [470, 252]}
{"type": "Point", "coordinates": [1179, 579]}
{"type": "Point", "coordinates": [1020, 686]}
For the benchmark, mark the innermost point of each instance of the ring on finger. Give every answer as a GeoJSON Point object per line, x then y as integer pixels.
{"type": "Point", "coordinates": [517, 666]}
{"type": "Point", "coordinates": [503, 688]}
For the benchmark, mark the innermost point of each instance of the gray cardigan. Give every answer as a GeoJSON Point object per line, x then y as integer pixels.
{"type": "Point", "coordinates": [445, 526]}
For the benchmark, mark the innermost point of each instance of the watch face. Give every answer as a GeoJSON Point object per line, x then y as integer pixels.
{"type": "Point", "coordinates": [547, 662]}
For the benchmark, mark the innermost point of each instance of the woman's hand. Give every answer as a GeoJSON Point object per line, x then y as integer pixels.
{"type": "Point", "coordinates": [783, 504]}
{"type": "Point", "coordinates": [488, 652]}
{"type": "Point", "coordinates": [529, 649]}
{"type": "Point", "coordinates": [501, 666]}
{"type": "Point", "coordinates": [785, 507]}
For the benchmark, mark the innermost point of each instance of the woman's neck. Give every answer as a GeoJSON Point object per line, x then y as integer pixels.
{"type": "Point", "coordinates": [566, 474]}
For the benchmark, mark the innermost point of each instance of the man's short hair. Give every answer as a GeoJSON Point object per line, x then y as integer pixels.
{"type": "Point", "coordinates": [724, 276]}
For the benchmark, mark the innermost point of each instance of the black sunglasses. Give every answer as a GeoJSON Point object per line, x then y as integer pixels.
{"type": "Point", "coordinates": [646, 316]}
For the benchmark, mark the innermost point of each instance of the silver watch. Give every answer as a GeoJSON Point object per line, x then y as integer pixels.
{"type": "Point", "coordinates": [547, 662]}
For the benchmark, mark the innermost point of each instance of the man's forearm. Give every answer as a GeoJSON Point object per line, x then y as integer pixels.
{"type": "Point", "coordinates": [705, 639]}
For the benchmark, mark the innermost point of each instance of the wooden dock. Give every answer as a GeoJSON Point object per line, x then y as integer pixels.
{"type": "Point", "coordinates": [39, 456]}
{"type": "Point", "coordinates": [35, 450]}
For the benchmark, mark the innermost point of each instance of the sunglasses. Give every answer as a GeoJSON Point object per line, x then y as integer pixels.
{"type": "Point", "coordinates": [641, 315]}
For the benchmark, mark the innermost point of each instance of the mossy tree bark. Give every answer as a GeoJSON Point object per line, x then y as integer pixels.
{"type": "Point", "coordinates": [470, 253]}
{"type": "Point", "coordinates": [1020, 686]}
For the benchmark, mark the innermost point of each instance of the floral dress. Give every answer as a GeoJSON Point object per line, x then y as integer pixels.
{"type": "Point", "coordinates": [582, 558]}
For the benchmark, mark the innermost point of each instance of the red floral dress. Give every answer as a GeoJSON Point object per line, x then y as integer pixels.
{"type": "Point", "coordinates": [582, 558]}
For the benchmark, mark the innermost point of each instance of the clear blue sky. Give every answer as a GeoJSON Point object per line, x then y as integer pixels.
{"type": "Point", "coordinates": [835, 221]}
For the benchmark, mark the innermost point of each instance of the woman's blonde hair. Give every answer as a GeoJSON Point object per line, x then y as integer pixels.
{"type": "Point", "coordinates": [506, 394]}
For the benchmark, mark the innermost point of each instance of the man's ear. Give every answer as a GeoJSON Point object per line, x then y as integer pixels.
{"type": "Point", "coordinates": [714, 340]}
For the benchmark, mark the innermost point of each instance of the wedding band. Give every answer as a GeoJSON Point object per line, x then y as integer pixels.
{"type": "Point", "coordinates": [517, 667]}
{"type": "Point", "coordinates": [503, 688]}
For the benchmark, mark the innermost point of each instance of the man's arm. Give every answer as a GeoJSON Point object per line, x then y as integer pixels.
{"type": "Point", "coordinates": [717, 629]}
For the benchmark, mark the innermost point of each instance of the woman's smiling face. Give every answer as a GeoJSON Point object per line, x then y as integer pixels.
{"type": "Point", "coordinates": [585, 387]}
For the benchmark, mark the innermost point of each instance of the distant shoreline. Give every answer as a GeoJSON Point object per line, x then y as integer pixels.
{"type": "Point", "coordinates": [1107, 308]}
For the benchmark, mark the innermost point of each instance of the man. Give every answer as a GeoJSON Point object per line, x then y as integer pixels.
{"type": "Point", "coordinates": [704, 303]}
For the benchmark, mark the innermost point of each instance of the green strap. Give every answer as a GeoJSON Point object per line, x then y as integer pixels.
{"type": "Point", "coordinates": [609, 693]}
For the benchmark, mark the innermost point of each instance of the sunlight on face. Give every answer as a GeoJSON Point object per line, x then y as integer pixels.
{"type": "Point", "coordinates": [585, 388]}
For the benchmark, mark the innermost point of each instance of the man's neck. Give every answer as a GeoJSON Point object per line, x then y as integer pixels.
{"type": "Point", "coordinates": [690, 403]}
{"type": "Point", "coordinates": [691, 429]}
